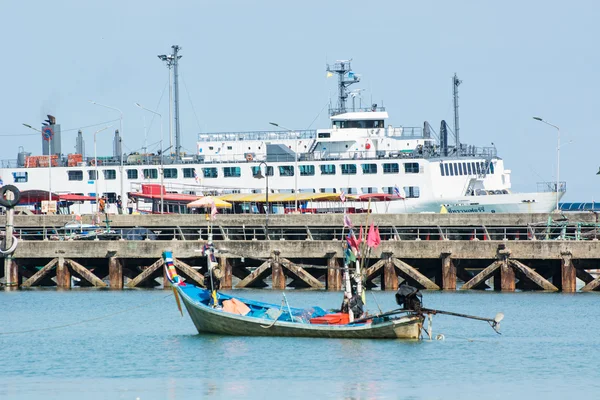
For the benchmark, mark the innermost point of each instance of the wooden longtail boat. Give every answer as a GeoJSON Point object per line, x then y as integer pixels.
{"type": "Point", "coordinates": [259, 321]}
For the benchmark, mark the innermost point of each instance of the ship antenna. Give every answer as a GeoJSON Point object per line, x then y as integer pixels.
{"type": "Point", "coordinates": [345, 78]}
{"type": "Point", "coordinates": [455, 83]}
{"type": "Point", "coordinates": [172, 61]}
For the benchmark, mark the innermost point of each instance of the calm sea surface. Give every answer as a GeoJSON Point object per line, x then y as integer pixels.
{"type": "Point", "coordinates": [144, 349]}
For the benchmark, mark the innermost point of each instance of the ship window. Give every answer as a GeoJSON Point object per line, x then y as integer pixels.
{"type": "Point", "coordinates": [446, 169]}
{"type": "Point", "coordinates": [324, 134]}
{"type": "Point", "coordinates": [412, 192]}
{"type": "Point", "coordinates": [132, 174]}
{"type": "Point", "coordinates": [328, 169]}
{"type": "Point", "coordinates": [442, 169]}
{"type": "Point", "coordinates": [307, 190]}
{"type": "Point", "coordinates": [350, 190]}
{"type": "Point", "coordinates": [211, 148]}
{"type": "Point", "coordinates": [478, 166]}
{"type": "Point", "coordinates": [327, 190]}
{"type": "Point", "coordinates": [464, 168]}
{"type": "Point", "coordinates": [229, 148]}
{"type": "Point", "coordinates": [75, 175]}
{"type": "Point", "coordinates": [111, 197]}
{"type": "Point", "coordinates": [491, 168]}
{"type": "Point", "coordinates": [391, 168]}
{"type": "Point", "coordinates": [20, 177]}
{"type": "Point", "coordinates": [189, 172]}
{"type": "Point", "coordinates": [369, 168]}
{"type": "Point", "coordinates": [307, 170]}
{"type": "Point", "coordinates": [231, 172]}
{"type": "Point", "coordinates": [469, 168]}
{"type": "Point", "coordinates": [460, 171]}
{"type": "Point", "coordinates": [150, 173]}
{"type": "Point", "coordinates": [371, 189]}
{"type": "Point", "coordinates": [286, 170]}
{"type": "Point", "coordinates": [348, 169]}
{"type": "Point", "coordinates": [388, 189]}
{"type": "Point", "coordinates": [411, 168]}
{"type": "Point", "coordinates": [209, 172]}
{"type": "Point", "coordinates": [170, 173]}
{"type": "Point", "coordinates": [92, 175]}
{"type": "Point", "coordinates": [110, 174]}
{"type": "Point", "coordinates": [257, 168]}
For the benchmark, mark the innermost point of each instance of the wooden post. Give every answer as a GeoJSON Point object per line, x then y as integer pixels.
{"type": "Point", "coordinates": [11, 270]}
{"type": "Point", "coordinates": [277, 276]}
{"type": "Point", "coordinates": [334, 274]}
{"type": "Point", "coordinates": [63, 275]}
{"type": "Point", "coordinates": [390, 277]}
{"type": "Point", "coordinates": [504, 279]}
{"type": "Point", "coordinates": [225, 267]}
{"type": "Point", "coordinates": [568, 281]}
{"type": "Point", "coordinates": [115, 273]}
{"type": "Point", "coordinates": [448, 272]}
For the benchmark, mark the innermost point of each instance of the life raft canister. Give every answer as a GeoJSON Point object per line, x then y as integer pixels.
{"type": "Point", "coordinates": [249, 157]}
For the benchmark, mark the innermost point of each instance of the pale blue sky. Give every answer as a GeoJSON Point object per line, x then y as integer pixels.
{"type": "Point", "coordinates": [246, 63]}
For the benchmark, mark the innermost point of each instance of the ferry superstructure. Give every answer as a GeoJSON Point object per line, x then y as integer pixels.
{"type": "Point", "coordinates": [359, 154]}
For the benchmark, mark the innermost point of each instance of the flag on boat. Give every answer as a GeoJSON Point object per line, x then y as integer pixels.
{"type": "Point", "coordinates": [329, 74]}
{"type": "Point", "coordinates": [343, 196]}
{"type": "Point", "coordinates": [170, 269]}
{"type": "Point", "coordinates": [351, 239]}
{"type": "Point", "coordinates": [347, 222]}
{"type": "Point", "coordinates": [373, 238]}
{"type": "Point", "coordinates": [213, 211]}
{"type": "Point", "coordinates": [399, 192]}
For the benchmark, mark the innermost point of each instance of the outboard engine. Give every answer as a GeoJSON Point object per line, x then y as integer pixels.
{"type": "Point", "coordinates": [409, 298]}
{"type": "Point", "coordinates": [212, 282]}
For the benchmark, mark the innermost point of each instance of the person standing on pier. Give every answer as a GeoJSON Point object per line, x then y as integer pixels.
{"type": "Point", "coordinates": [119, 205]}
{"type": "Point", "coordinates": [129, 205]}
{"type": "Point", "coordinates": [102, 204]}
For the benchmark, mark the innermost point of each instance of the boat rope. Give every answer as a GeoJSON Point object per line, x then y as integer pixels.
{"type": "Point", "coordinates": [280, 314]}
{"type": "Point", "coordinates": [85, 320]}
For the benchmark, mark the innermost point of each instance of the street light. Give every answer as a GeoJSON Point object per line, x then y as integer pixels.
{"type": "Point", "coordinates": [296, 172]}
{"type": "Point", "coordinates": [96, 164]}
{"type": "Point", "coordinates": [120, 138]}
{"type": "Point", "coordinates": [49, 161]}
{"type": "Point", "coordinates": [557, 157]}
{"type": "Point", "coordinates": [162, 200]}
{"type": "Point", "coordinates": [259, 175]}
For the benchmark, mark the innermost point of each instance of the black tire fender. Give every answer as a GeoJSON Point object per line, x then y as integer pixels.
{"type": "Point", "coordinates": [9, 203]}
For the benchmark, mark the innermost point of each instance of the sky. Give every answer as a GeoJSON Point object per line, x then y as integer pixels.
{"type": "Point", "coordinates": [247, 63]}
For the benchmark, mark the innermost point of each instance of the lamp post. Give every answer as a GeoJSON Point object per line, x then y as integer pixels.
{"type": "Point", "coordinates": [259, 175]}
{"type": "Point", "coordinates": [96, 164]}
{"type": "Point", "coordinates": [557, 157]}
{"type": "Point", "coordinates": [162, 200]}
{"type": "Point", "coordinates": [296, 172]}
{"type": "Point", "coordinates": [49, 160]}
{"type": "Point", "coordinates": [120, 138]}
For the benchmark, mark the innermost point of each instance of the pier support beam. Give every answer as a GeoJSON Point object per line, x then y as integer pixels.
{"type": "Point", "coordinates": [448, 272]}
{"type": "Point", "coordinates": [226, 271]}
{"type": "Point", "coordinates": [414, 274]}
{"type": "Point", "coordinates": [532, 275]}
{"type": "Point", "coordinates": [389, 279]}
{"type": "Point", "coordinates": [334, 273]}
{"type": "Point", "coordinates": [568, 275]}
{"type": "Point", "coordinates": [115, 273]}
{"type": "Point", "coordinates": [301, 273]}
{"type": "Point", "coordinates": [38, 276]}
{"type": "Point", "coordinates": [63, 275]}
{"type": "Point", "coordinates": [504, 279]}
{"type": "Point", "coordinates": [86, 273]}
{"type": "Point", "coordinates": [480, 278]}
{"type": "Point", "coordinates": [11, 273]}
{"type": "Point", "coordinates": [255, 275]}
{"type": "Point", "coordinates": [277, 275]}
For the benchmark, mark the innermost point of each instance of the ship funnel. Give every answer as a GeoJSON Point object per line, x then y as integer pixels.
{"type": "Point", "coordinates": [444, 138]}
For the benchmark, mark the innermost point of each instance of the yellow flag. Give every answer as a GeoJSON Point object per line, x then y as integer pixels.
{"type": "Point", "coordinates": [443, 210]}
{"type": "Point", "coordinates": [329, 74]}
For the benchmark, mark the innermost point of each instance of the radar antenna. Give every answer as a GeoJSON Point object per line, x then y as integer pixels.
{"type": "Point", "coordinates": [345, 78]}
{"type": "Point", "coordinates": [455, 83]}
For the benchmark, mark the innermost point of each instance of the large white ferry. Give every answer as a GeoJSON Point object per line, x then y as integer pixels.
{"type": "Point", "coordinates": [409, 169]}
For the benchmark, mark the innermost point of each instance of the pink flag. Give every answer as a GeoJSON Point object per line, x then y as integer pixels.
{"type": "Point", "coordinates": [377, 237]}
{"type": "Point", "coordinates": [371, 240]}
{"type": "Point", "coordinates": [213, 211]}
{"type": "Point", "coordinates": [343, 196]}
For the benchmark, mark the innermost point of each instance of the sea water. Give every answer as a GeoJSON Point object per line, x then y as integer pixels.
{"type": "Point", "coordinates": [134, 344]}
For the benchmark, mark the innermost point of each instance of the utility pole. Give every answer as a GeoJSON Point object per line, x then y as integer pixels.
{"type": "Point", "coordinates": [172, 62]}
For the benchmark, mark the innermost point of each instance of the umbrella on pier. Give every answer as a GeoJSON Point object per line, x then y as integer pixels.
{"type": "Point", "coordinates": [207, 202]}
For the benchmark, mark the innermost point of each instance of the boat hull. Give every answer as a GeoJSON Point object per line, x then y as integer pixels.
{"type": "Point", "coordinates": [209, 320]}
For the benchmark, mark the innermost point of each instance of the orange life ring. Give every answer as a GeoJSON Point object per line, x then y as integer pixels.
{"type": "Point", "coordinates": [249, 157]}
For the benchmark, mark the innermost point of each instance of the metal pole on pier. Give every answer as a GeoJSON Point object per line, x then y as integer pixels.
{"type": "Point", "coordinates": [557, 158]}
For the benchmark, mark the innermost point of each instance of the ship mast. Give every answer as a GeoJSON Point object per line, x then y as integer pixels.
{"type": "Point", "coordinates": [172, 61]}
{"type": "Point", "coordinates": [455, 83]}
{"type": "Point", "coordinates": [345, 78]}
